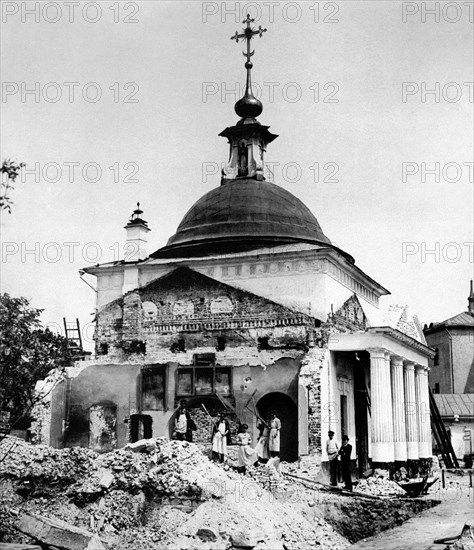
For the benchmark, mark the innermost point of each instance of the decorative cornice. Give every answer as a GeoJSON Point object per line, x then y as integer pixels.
{"type": "Point", "coordinates": [405, 339]}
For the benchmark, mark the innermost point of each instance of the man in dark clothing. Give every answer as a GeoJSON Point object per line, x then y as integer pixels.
{"type": "Point", "coordinates": [345, 454]}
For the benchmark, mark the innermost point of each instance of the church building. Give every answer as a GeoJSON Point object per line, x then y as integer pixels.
{"type": "Point", "coordinates": [248, 308]}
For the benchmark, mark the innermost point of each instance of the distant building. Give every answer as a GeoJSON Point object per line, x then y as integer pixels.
{"type": "Point", "coordinates": [451, 376]}
{"type": "Point", "coordinates": [453, 340]}
{"type": "Point", "coordinates": [457, 412]}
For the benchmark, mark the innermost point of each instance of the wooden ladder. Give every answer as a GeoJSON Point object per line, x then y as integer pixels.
{"type": "Point", "coordinates": [441, 435]}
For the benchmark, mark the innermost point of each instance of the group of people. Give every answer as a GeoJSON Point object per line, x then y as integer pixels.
{"type": "Point", "coordinates": [266, 449]}
{"type": "Point", "coordinates": [338, 454]}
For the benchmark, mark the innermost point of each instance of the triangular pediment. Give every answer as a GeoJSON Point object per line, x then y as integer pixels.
{"type": "Point", "coordinates": [351, 314]}
{"type": "Point", "coordinates": [185, 294]}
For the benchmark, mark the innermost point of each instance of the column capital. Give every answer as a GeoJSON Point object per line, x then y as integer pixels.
{"type": "Point", "coordinates": [420, 369]}
{"type": "Point", "coordinates": [379, 353]}
{"type": "Point", "coordinates": [409, 365]}
{"type": "Point", "coordinates": [396, 360]}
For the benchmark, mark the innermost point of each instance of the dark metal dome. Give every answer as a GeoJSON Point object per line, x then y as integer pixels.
{"type": "Point", "coordinates": [243, 214]}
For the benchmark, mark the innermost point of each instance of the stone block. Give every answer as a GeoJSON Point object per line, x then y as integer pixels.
{"type": "Point", "coordinates": [143, 445]}
{"type": "Point", "coordinates": [206, 534]}
{"type": "Point", "coordinates": [244, 540]}
{"type": "Point", "coordinates": [106, 479]}
{"type": "Point", "coordinates": [58, 533]}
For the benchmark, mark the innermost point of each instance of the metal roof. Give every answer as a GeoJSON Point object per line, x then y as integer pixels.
{"type": "Point", "coordinates": [450, 404]}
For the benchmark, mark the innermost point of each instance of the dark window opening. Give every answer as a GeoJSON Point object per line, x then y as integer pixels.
{"type": "Point", "coordinates": [204, 359]}
{"type": "Point", "coordinates": [140, 427]}
{"type": "Point", "coordinates": [179, 346]}
{"type": "Point", "coordinates": [136, 346]}
{"type": "Point", "coordinates": [436, 388]}
{"type": "Point", "coordinates": [103, 348]}
{"type": "Point", "coordinates": [263, 343]}
{"type": "Point", "coordinates": [203, 381]}
{"type": "Point", "coordinates": [153, 389]}
{"type": "Point", "coordinates": [436, 357]}
{"type": "Point", "coordinates": [220, 343]}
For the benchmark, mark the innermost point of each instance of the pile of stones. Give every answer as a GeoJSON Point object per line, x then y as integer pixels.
{"type": "Point", "coordinates": [380, 487]}
{"type": "Point", "coordinates": [150, 495]}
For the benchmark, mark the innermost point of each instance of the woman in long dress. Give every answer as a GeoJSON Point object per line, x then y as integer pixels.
{"type": "Point", "coordinates": [247, 456]}
{"type": "Point", "coordinates": [261, 447]}
{"type": "Point", "coordinates": [274, 440]}
{"type": "Point", "coordinates": [220, 438]}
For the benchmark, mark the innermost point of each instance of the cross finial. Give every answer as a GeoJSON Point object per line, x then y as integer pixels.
{"type": "Point", "coordinates": [247, 34]}
{"type": "Point", "coordinates": [248, 106]}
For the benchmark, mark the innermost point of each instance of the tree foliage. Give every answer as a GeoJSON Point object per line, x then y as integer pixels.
{"type": "Point", "coordinates": [10, 171]}
{"type": "Point", "coordinates": [27, 354]}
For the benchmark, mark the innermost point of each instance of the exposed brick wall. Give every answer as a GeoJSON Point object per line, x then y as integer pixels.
{"type": "Point", "coordinates": [310, 377]}
{"type": "Point", "coordinates": [188, 305]}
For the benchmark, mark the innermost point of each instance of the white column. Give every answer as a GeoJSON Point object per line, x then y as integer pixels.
{"type": "Point", "coordinates": [424, 417]}
{"type": "Point", "coordinates": [398, 404]}
{"type": "Point", "coordinates": [411, 410]}
{"type": "Point", "coordinates": [381, 404]}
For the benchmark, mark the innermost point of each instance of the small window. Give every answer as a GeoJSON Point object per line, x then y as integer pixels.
{"type": "Point", "coordinates": [220, 343]}
{"type": "Point", "coordinates": [223, 380]}
{"type": "Point", "coordinates": [204, 359]}
{"type": "Point", "coordinates": [436, 388]}
{"type": "Point", "coordinates": [153, 389]}
{"type": "Point", "coordinates": [436, 357]}
{"type": "Point", "coordinates": [185, 382]}
{"type": "Point", "coordinates": [203, 381]}
{"type": "Point", "coordinates": [263, 343]}
{"type": "Point", "coordinates": [103, 348]}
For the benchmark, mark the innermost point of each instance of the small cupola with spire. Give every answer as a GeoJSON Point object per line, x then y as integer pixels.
{"type": "Point", "coordinates": [248, 138]}
{"type": "Point", "coordinates": [137, 229]}
{"type": "Point", "coordinates": [470, 300]}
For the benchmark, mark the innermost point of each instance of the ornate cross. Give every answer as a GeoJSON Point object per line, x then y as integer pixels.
{"type": "Point", "coordinates": [247, 35]}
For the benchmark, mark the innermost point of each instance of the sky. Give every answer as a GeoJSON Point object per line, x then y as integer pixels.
{"type": "Point", "coordinates": [111, 103]}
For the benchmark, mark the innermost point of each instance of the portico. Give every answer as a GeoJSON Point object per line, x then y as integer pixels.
{"type": "Point", "coordinates": [394, 368]}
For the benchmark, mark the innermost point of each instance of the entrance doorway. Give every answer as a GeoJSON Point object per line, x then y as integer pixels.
{"type": "Point", "coordinates": [361, 401]}
{"type": "Point", "coordinates": [287, 411]}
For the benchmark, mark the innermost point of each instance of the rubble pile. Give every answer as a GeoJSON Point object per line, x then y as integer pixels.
{"type": "Point", "coordinates": [51, 466]}
{"type": "Point", "coordinates": [379, 486]}
{"type": "Point", "coordinates": [153, 494]}
{"type": "Point", "coordinates": [204, 424]}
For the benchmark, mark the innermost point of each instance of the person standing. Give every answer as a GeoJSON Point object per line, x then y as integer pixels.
{"type": "Point", "coordinates": [345, 453]}
{"type": "Point", "coordinates": [262, 444]}
{"type": "Point", "coordinates": [181, 422]}
{"type": "Point", "coordinates": [274, 437]}
{"type": "Point", "coordinates": [220, 438]}
{"type": "Point", "coordinates": [247, 456]}
{"type": "Point", "coordinates": [332, 450]}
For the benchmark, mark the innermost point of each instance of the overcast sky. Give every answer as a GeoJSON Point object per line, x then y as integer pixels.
{"type": "Point", "coordinates": [343, 88]}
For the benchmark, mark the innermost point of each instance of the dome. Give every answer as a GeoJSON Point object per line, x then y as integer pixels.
{"type": "Point", "coordinates": [243, 214]}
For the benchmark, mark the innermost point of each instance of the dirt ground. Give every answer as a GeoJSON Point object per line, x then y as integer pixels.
{"type": "Point", "coordinates": [170, 496]}
{"type": "Point", "coordinates": [445, 520]}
